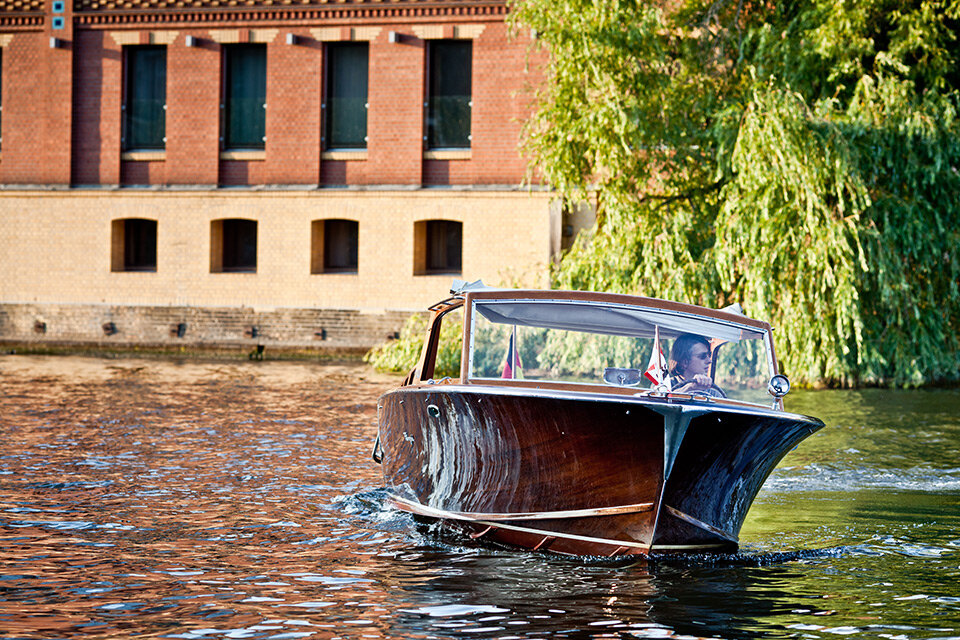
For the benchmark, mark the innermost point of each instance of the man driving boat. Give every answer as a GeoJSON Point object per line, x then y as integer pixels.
{"type": "Point", "coordinates": [690, 362]}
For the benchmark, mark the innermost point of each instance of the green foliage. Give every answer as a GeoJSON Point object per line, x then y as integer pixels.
{"type": "Point", "coordinates": [401, 355]}
{"type": "Point", "coordinates": [574, 354]}
{"type": "Point", "coordinates": [800, 158]}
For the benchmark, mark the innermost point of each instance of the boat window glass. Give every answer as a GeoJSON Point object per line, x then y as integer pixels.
{"type": "Point", "coordinates": [450, 347]}
{"type": "Point", "coordinates": [613, 319]}
{"type": "Point", "coordinates": [538, 341]}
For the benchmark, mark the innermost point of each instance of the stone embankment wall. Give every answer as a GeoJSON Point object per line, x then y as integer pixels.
{"type": "Point", "coordinates": [104, 326]}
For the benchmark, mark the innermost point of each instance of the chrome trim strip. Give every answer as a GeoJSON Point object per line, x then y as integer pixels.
{"type": "Point", "coordinates": [419, 509]}
{"type": "Point", "coordinates": [536, 515]}
{"type": "Point", "coordinates": [701, 524]}
{"type": "Point", "coordinates": [750, 409]}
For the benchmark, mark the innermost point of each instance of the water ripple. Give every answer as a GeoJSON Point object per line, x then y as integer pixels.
{"type": "Point", "coordinates": [217, 500]}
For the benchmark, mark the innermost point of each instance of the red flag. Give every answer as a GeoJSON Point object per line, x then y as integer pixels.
{"type": "Point", "coordinates": [512, 367]}
{"type": "Point", "coordinates": [657, 369]}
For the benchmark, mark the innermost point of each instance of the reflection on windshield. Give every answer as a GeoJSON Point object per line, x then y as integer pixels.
{"type": "Point", "coordinates": [738, 369]}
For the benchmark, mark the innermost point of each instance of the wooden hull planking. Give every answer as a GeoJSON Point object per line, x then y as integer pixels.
{"type": "Point", "coordinates": [570, 473]}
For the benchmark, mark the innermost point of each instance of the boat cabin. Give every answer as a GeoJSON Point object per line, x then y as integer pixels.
{"type": "Point", "coordinates": [601, 343]}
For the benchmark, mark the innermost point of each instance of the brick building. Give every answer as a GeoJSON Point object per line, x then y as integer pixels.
{"type": "Point", "coordinates": [300, 172]}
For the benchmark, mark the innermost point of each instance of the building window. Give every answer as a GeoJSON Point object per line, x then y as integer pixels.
{"type": "Point", "coordinates": [233, 245]}
{"type": "Point", "coordinates": [144, 98]}
{"type": "Point", "coordinates": [438, 247]}
{"type": "Point", "coordinates": [449, 100]}
{"type": "Point", "coordinates": [245, 96]}
{"type": "Point", "coordinates": [345, 107]}
{"type": "Point", "coordinates": [334, 246]}
{"type": "Point", "coordinates": [134, 245]}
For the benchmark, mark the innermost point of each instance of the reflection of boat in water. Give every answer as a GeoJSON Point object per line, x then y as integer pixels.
{"type": "Point", "coordinates": [562, 431]}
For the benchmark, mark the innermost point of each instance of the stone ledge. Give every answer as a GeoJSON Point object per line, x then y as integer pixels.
{"type": "Point", "coordinates": [111, 327]}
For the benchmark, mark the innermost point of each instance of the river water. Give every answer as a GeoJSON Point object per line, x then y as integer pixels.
{"type": "Point", "coordinates": [238, 500]}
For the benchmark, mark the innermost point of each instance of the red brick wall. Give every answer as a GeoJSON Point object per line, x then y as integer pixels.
{"type": "Point", "coordinates": [97, 98]}
{"type": "Point", "coordinates": [193, 111]}
{"type": "Point", "coordinates": [56, 77]}
{"type": "Point", "coordinates": [343, 172]}
{"type": "Point", "coordinates": [395, 117]}
{"type": "Point", "coordinates": [242, 172]}
{"type": "Point", "coordinates": [41, 145]}
{"type": "Point", "coordinates": [37, 101]}
{"type": "Point", "coordinates": [293, 111]}
{"type": "Point", "coordinates": [502, 92]}
{"type": "Point", "coordinates": [142, 173]}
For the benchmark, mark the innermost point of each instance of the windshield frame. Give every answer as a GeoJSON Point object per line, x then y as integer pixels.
{"type": "Point", "coordinates": [676, 309]}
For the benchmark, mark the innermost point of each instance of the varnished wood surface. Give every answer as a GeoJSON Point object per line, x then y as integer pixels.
{"type": "Point", "coordinates": [457, 449]}
{"type": "Point", "coordinates": [489, 453]}
{"type": "Point", "coordinates": [722, 463]}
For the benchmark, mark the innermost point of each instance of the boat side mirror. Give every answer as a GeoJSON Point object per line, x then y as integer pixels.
{"type": "Point", "coordinates": [779, 386]}
{"type": "Point", "coordinates": [621, 377]}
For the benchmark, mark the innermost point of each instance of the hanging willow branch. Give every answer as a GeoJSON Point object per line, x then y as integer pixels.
{"type": "Point", "coordinates": [796, 168]}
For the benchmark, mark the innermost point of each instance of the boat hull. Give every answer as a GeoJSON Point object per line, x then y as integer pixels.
{"type": "Point", "coordinates": [577, 473]}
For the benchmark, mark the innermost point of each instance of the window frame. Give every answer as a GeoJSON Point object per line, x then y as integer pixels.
{"type": "Point", "coordinates": [425, 240]}
{"type": "Point", "coordinates": [228, 121]}
{"type": "Point", "coordinates": [432, 138]}
{"type": "Point", "coordinates": [225, 250]}
{"type": "Point", "coordinates": [320, 250]}
{"type": "Point", "coordinates": [332, 51]}
{"type": "Point", "coordinates": [134, 245]}
{"type": "Point", "coordinates": [132, 72]}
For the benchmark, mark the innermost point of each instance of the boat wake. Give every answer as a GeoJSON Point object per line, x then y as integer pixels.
{"type": "Point", "coordinates": [828, 477]}
{"type": "Point", "coordinates": [748, 559]}
{"type": "Point", "coordinates": [371, 506]}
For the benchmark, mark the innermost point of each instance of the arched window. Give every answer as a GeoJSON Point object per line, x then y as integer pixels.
{"type": "Point", "coordinates": [438, 247]}
{"type": "Point", "coordinates": [133, 245]}
{"type": "Point", "coordinates": [334, 246]}
{"type": "Point", "coordinates": [233, 245]}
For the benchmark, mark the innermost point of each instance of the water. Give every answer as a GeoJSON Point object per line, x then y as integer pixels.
{"type": "Point", "coordinates": [213, 500]}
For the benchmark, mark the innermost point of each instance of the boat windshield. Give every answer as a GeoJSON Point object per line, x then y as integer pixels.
{"type": "Point", "coordinates": [583, 342]}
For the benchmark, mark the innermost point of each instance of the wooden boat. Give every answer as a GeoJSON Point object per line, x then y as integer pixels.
{"type": "Point", "coordinates": [564, 430]}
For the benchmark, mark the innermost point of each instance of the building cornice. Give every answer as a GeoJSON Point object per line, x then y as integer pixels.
{"type": "Point", "coordinates": [137, 13]}
{"type": "Point", "coordinates": [21, 21]}
{"type": "Point", "coordinates": [309, 14]}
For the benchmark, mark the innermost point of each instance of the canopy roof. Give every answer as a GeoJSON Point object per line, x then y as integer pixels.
{"type": "Point", "coordinates": [610, 318]}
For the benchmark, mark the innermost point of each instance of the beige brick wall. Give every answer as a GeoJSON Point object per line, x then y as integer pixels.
{"type": "Point", "coordinates": [55, 246]}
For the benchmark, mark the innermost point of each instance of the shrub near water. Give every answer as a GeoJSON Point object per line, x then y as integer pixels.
{"type": "Point", "coordinates": [401, 355]}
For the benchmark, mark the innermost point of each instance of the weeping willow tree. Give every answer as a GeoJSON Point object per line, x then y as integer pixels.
{"type": "Point", "coordinates": [800, 158]}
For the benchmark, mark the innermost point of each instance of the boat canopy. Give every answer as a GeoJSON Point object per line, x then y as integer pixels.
{"type": "Point", "coordinates": [609, 319]}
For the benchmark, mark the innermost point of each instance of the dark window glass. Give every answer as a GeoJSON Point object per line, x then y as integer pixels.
{"type": "Point", "coordinates": [346, 103]}
{"type": "Point", "coordinates": [139, 245]}
{"type": "Point", "coordinates": [444, 241]}
{"type": "Point", "coordinates": [340, 245]}
{"type": "Point", "coordinates": [448, 104]}
{"type": "Point", "coordinates": [245, 96]}
{"type": "Point", "coordinates": [145, 97]}
{"type": "Point", "coordinates": [239, 245]}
